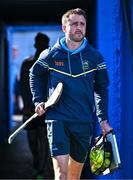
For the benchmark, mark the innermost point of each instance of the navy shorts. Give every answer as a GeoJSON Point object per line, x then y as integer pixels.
{"type": "Point", "coordinates": [70, 138]}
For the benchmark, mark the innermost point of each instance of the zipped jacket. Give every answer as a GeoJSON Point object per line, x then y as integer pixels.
{"type": "Point", "coordinates": [85, 82]}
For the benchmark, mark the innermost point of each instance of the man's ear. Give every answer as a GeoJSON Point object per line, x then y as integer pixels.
{"type": "Point", "coordinates": [64, 28]}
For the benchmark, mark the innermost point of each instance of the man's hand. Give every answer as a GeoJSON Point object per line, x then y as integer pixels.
{"type": "Point", "coordinates": [106, 128]}
{"type": "Point", "coordinates": [40, 109]}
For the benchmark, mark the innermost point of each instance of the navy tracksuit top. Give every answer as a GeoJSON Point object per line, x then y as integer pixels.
{"type": "Point", "coordinates": [85, 82]}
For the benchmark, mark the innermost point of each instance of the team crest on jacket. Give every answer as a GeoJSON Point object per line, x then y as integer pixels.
{"type": "Point", "coordinates": [85, 64]}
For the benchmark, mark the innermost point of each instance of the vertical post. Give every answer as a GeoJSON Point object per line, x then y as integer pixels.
{"type": "Point", "coordinates": [4, 98]}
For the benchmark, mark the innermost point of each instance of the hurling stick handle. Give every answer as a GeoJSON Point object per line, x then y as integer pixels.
{"type": "Point", "coordinates": [12, 136]}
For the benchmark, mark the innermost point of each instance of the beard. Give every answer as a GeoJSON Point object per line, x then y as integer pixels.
{"type": "Point", "coordinates": [77, 37]}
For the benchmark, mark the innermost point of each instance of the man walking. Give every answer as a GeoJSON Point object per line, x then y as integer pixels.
{"type": "Point", "coordinates": [81, 69]}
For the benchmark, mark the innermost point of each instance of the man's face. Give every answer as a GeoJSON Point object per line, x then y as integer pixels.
{"type": "Point", "coordinates": [75, 28]}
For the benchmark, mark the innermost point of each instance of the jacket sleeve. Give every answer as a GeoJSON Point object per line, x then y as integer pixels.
{"type": "Point", "coordinates": [38, 76]}
{"type": "Point", "coordinates": [101, 90]}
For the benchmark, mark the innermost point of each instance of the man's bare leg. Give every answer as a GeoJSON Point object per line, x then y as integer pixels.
{"type": "Point", "coordinates": [60, 164]}
{"type": "Point", "coordinates": [74, 169]}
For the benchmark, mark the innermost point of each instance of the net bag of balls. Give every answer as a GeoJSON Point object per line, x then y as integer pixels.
{"type": "Point", "coordinates": [100, 156]}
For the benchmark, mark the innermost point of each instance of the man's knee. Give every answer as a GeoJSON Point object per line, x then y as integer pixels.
{"type": "Point", "coordinates": [60, 172]}
{"type": "Point", "coordinates": [60, 167]}
{"type": "Point", "coordinates": [74, 169]}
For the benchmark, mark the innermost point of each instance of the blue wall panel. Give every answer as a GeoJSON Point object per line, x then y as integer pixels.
{"type": "Point", "coordinates": [114, 42]}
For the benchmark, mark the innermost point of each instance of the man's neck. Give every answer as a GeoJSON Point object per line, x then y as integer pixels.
{"type": "Point", "coordinates": [73, 45]}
